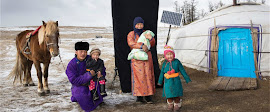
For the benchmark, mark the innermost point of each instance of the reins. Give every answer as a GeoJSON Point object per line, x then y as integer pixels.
{"type": "Point", "coordinates": [62, 62]}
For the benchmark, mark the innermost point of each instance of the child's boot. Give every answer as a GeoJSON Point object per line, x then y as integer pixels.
{"type": "Point", "coordinates": [170, 105]}
{"type": "Point", "coordinates": [177, 106]}
{"type": "Point", "coordinates": [102, 90]}
{"type": "Point", "coordinates": [95, 95]}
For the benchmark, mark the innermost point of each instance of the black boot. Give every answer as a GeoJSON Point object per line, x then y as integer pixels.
{"type": "Point", "coordinates": [102, 90]}
{"type": "Point", "coordinates": [139, 99]}
{"type": "Point", "coordinates": [95, 95]}
{"type": "Point", "coordinates": [148, 99]}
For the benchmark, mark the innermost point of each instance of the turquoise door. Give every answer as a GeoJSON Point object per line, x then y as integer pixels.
{"type": "Point", "coordinates": [235, 57]}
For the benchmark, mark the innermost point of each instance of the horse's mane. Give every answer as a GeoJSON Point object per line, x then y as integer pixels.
{"type": "Point", "coordinates": [50, 29]}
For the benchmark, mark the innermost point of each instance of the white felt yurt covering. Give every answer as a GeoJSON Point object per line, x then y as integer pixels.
{"type": "Point", "coordinates": [191, 42]}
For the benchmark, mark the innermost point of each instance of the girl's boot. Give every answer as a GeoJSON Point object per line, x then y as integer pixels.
{"type": "Point", "coordinates": [177, 106]}
{"type": "Point", "coordinates": [170, 105]}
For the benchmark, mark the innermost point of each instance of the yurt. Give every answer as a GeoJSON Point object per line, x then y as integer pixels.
{"type": "Point", "coordinates": [231, 42]}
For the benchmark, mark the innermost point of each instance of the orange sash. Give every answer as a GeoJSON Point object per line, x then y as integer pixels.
{"type": "Point", "coordinates": [171, 75]}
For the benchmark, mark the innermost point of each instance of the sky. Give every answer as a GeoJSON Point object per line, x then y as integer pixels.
{"type": "Point", "coordinates": [73, 12]}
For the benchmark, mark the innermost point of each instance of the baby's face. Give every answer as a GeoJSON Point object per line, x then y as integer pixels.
{"type": "Point", "coordinates": [95, 56]}
{"type": "Point", "coordinates": [169, 56]}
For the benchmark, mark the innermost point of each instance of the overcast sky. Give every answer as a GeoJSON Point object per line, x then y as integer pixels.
{"type": "Point", "coordinates": [72, 12]}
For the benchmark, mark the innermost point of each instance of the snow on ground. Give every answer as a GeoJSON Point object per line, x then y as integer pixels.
{"type": "Point", "coordinates": [80, 30]}
{"type": "Point", "coordinates": [16, 28]}
{"type": "Point", "coordinates": [25, 99]}
{"type": "Point", "coordinates": [65, 30]}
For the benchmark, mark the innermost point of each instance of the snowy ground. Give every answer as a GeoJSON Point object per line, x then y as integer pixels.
{"type": "Point", "coordinates": [19, 98]}
{"type": "Point", "coordinates": [197, 98]}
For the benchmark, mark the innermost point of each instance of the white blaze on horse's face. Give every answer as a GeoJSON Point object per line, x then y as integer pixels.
{"type": "Point", "coordinates": [52, 45]}
{"type": "Point", "coordinates": [51, 38]}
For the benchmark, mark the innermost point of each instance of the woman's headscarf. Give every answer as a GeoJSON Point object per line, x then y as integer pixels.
{"type": "Point", "coordinates": [138, 20]}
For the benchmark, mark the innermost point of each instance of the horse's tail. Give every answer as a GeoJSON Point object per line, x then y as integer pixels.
{"type": "Point", "coordinates": [17, 71]}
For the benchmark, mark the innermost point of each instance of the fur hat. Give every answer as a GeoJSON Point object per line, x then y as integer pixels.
{"type": "Point", "coordinates": [168, 49]}
{"type": "Point", "coordinates": [95, 50]}
{"type": "Point", "coordinates": [82, 46]}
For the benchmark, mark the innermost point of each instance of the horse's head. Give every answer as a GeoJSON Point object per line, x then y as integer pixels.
{"type": "Point", "coordinates": [50, 35]}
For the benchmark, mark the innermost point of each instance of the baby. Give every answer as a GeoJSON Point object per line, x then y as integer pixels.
{"type": "Point", "coordinates": [139, 54]}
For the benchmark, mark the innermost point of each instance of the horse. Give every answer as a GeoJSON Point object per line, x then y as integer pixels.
{"type": "Point", "coordinates": [40, 48]}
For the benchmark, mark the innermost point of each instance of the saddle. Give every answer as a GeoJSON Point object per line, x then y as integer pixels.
{"type": "Point", "coordinates": [28, 38]}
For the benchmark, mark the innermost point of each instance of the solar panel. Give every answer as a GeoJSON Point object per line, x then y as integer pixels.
{"type": "Point", "coordinates": [171, 18]}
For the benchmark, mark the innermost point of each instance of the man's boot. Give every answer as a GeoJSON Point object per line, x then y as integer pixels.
{"type": "Point", "coordinates": [102, 90]}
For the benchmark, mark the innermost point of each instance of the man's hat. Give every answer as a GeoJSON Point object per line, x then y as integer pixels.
{"type": "Point", "coordinates": [82, 46]}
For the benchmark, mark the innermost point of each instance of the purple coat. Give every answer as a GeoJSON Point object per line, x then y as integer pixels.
{"type": "Point", "coordinates": [77, 75]}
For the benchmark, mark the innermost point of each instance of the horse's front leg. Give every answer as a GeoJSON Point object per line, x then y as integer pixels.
{"type": "Point", "coordinates": [39, 75]}
{"type": "Point", "coordinates": [45, 81]}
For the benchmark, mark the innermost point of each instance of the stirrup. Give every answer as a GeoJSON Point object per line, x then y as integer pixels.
{"type": "Point", "coordinates": [24, 51]}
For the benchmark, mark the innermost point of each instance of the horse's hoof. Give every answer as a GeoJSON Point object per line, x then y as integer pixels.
{"type": "Point", "coordinates": [31, 84]}
{"type": "Point", "coordinates": [47, 91]}
{"type": "Point", "coordinates": [41, 94]}
{"type": "Point", "coordinates": [25, 85]}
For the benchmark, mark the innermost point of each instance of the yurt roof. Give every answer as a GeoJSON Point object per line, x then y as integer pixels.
{"type": "Point", "coordinates": [229, 15]}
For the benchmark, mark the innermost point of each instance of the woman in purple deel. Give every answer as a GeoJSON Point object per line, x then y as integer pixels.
{"type": "Point", "coordinates": [80, 79]}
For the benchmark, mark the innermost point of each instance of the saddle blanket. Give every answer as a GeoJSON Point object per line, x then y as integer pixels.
{"type": "Point", "coordinates": [32, 33]}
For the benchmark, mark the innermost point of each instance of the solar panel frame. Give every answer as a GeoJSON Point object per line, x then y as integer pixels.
{"type": "Point", "coordinates": [172, 18]}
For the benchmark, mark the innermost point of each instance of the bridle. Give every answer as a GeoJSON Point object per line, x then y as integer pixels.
{"type": "Point", "coordinates": [51, 44]}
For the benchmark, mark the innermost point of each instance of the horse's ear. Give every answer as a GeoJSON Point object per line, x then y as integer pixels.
{"type": "Point", "coordinates": [56, 23]}
{"type": "Point", "coordinates": [44, 24]}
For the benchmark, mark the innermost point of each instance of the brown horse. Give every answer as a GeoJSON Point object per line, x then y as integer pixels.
{"type": "Point", "coordinates": [42, 47]}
